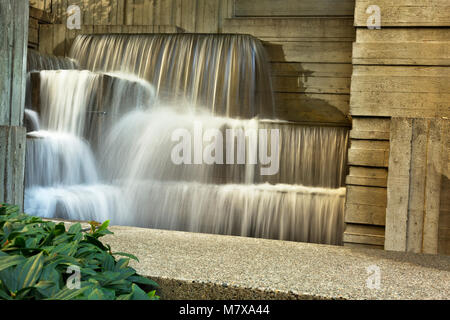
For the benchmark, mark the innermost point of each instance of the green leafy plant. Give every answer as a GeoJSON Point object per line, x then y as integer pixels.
{"type": "Point", "coordinates": [36, 255]}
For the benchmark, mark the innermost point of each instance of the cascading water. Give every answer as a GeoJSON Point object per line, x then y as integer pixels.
{"type": "Point", "coordinates": [226, 73]}
{"type": "Point", "coordinates": [54, 158]}
{"type": "Point", "coordinates": [130, 177]}
{"type": "Point", "coordinates": [37, 62]}
{"type": "Point", "coordinates": [31, 120]}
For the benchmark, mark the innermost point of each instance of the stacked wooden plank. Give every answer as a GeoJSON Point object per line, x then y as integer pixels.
{"type": "Point", "coordinates": [401, 70]}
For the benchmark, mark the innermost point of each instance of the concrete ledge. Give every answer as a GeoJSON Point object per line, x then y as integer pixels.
{"type": "Point", "coordinates": [203, 266]}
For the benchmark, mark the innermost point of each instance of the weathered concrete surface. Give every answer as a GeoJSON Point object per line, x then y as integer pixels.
{"type": "Point", "coordinates": [13, 52]}
{"type": "Point", "coordinates": [417, 164]}
{"type": "Point", "coordinates": [202, 266]}
{"type": "Point", "coordinates": [400, 70]}
{"type": "Point", "coordinates": [12, 163]}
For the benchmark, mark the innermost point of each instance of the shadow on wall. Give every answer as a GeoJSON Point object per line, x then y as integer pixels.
{"type": "Point", "coordinates": [304, 107]}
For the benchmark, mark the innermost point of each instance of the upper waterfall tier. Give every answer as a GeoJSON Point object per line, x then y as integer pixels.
{"type": "Point", "coordinates": [37, 61]}
{"type": "Point", "coordinates": [228, 74]}
{"type": "Point", "coordinates": [87, 104]}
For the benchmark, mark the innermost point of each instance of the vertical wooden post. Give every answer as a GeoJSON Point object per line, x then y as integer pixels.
{"type": "Point", "coordinates": [13, 53]}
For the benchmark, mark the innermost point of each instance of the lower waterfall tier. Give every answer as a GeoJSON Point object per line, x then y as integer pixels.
{"type": "Point", "coordinates": [285, 212]}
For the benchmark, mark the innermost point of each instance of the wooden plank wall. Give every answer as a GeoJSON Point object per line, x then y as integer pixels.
{"type": "Point", "coordinates": [309, 46]}
{"type": "Point", "coordinates": [400, 70]}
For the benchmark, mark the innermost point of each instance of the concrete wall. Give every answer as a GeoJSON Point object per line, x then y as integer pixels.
{"type": "Point", "coordinates": [416, 219]}
{"type": "Point", "coordinates": [401, 71]}
{"type": "Point", "coordinates": [309, 41]}
{"type": "Point", "coordinates": [13, 50]}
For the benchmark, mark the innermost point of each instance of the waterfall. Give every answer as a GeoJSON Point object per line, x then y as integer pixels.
{"type": "Point", "coordinates": [66, 96]}
{"type": "Point", "coordinates": [85, 103]}
{"type": "Point", "coordinates": [286, 212]}
{"type": "Point", "coordinates": [310, 156]}
{"type": "Point", "coordinates": [31, 120]}
{"type": "Point", "coordinates": [37, 61]}
{"type": "Point", "coordinates": [54, 158]}
{"type": "Point", "coordinates": [226, 73]}
{"type": "Point", "coordinates": [76, 202]}
{"type": "Point", "coordinates": [110, 134]}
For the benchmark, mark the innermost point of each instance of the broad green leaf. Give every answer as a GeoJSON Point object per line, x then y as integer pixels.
{"type": "Point", "coordinates": [152, 295]}
{"type": "Point", "coordinates": [49, 274]}
{"type": "Point", "coordinates": [34, 261]}
{"type": "Point", "coordinates": [92, 240]}
{"type": "Point", "coordinates": [96, 294]}
{"type": "Point", "coordinates": [9, 279]}
{"type": "Point", "coordinates": [32, 242]}
{"type": "Point", "coordinates": [87, 271]}
{"type": "Point", "coordinates": [19, 242]}
{"type": "Point", "coordinates": [104, 226]}
{"type": "Point", "coordinates": [28, 272]}
{"type": "Point", "coordinates": [4, 295]}
{"type": "Point", "coordinates": [68, 294]}
{"type": "Point", "coordinates": [67, 249]}
{"type": "Point", "coordinates": [142, 280]}
{"type": "Point", "coordinates": [108, 262]}
{"type": "Point", "coordinates": [124, 254]}
{"type": "Point", "coordinates": [10, 261]}
{"type": "Point", "coordinates": [75, 228]}
{"type": "Point", "coordinates": [22, 294]}
{"type": "Point", "coordinates": [138, 293]}
{"type": "Point", "coordinates": [60, 228]}
{"type": "Point", "coordinates": [128, 296]}
{"type": "Point", "coordinates": [122, 264]}
{"type": "Point", "coordinates": [43, 284]}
